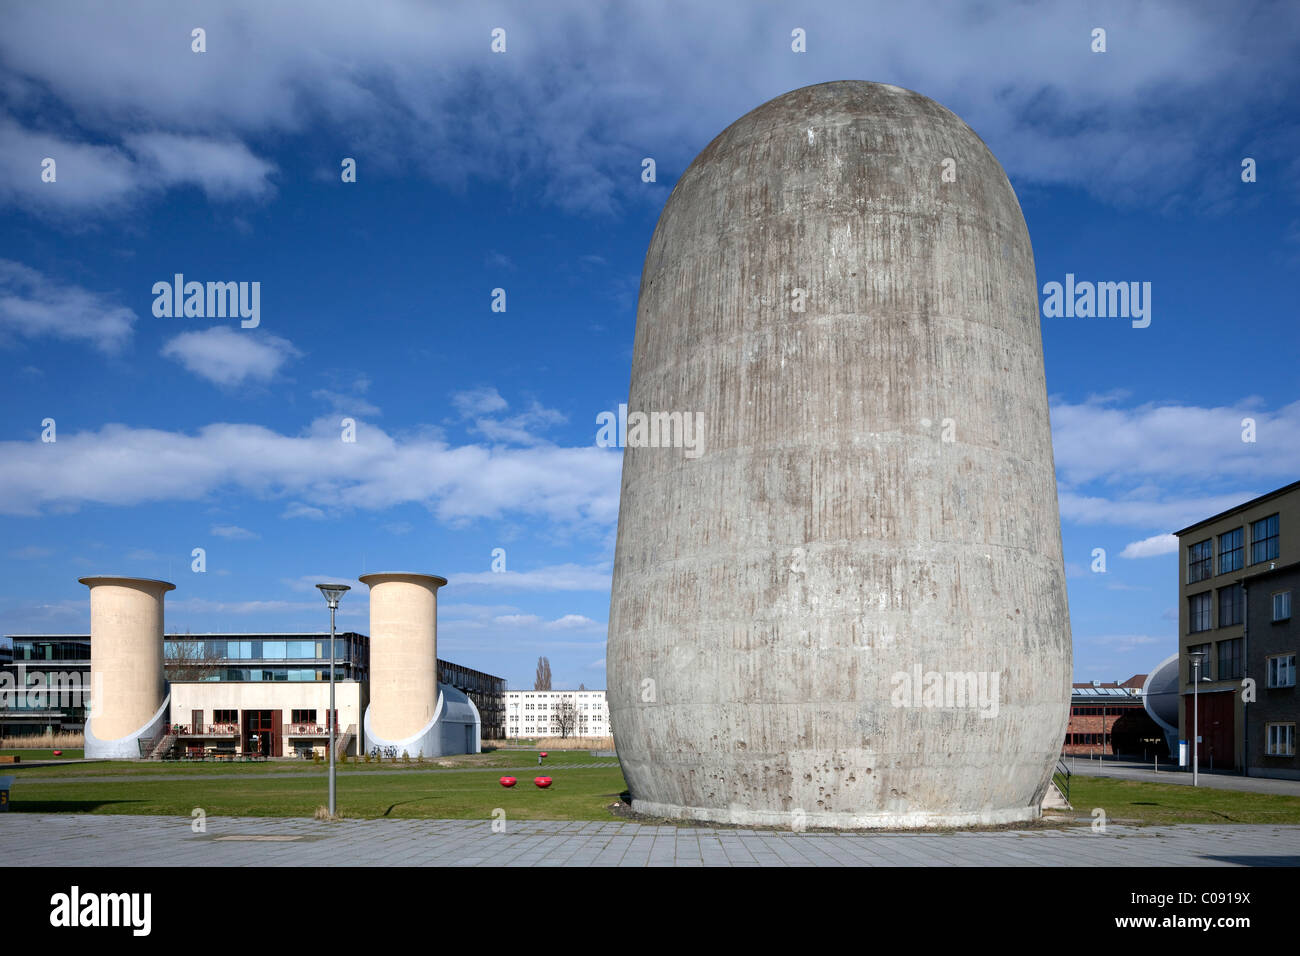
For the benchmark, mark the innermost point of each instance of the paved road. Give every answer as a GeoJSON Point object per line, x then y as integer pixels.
{"type": "Point", "coordinates": [84, 840]}
{"type": "Point", "coordinates": [300, 774]}
{"type": "Point", "coordinates": [1216, 781]}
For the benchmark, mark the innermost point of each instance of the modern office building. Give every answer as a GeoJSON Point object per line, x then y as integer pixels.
{"type": "Point", "coordinates": [1109, 719]}
{"type": "Point", "coordinates": [1246, 550]}
{"type": "Point", "coordinates": [251, 691]}
{"type": "Point", "coordinates": [556, 713]}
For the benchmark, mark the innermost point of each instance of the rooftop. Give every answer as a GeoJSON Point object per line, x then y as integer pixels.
{"type": "Point", "coordinates": [1285, 489]}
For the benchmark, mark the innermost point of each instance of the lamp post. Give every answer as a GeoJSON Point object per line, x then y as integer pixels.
{"type": "Point", "coordinates": [332, 594]}
{"type": "Point", "coordinates": [1196, 657]}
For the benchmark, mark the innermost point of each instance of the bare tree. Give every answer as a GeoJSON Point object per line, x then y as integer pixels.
{"type": "Point", "coordinates": [187, 659]}
{"type": "Point", "coordinates": [565, 717]}
{"type": "Point", "coordinates": [543, 679]}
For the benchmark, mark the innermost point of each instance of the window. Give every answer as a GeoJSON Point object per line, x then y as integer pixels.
{"type": "Point", "coordinates": [1230, 551]}
{"type": "Point", "coordinates": [1281, 740]}
{"type": "Point", "coordinates": [273, 650]}
{"type": "Point", "coordinates": [304, 717]}
{"type": "Point", "coordinates": [225, 716]}
{"type": "Point", "coordinates": [1204, 651]}
{"type": "Point", "coordinates": [1199, 607]}
{"type": "Point", "coordinates": [1230, 605]}
{"type": "Point", "coordinates": [1230, 659]}
{"type": "Point", "coordinates": [1281, 670]}
{"type": "Point", "coordinates": [1281, 605]}
{"type": "Point", "coordinates": [1200, 561]}
{"type": "Point", "coordinates": [1263, 540]}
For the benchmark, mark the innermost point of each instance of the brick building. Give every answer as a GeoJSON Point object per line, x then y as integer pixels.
{"type": "Point", "coordinates": [1110, 719]}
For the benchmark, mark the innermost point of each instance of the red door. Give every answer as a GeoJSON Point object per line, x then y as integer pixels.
{"type": "Point", "coordinates": [277, 733]}
{"type": "Point", "coordinates": [1218, 732]}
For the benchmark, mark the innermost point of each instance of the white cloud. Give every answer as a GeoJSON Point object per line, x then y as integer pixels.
{"type": "Point", "coordinates": [91, 177]}
{"type": "Point", "coordinates": [121, 465]}
{"type": "Point", "coordinates": [559, 577]}
{"type": "Point", "coordinates": [478, 401]}
{"type": "Point", "coordinates": [520, 429]}
{"type": "Point", "coordinates": [32, 306]}
{"type": "Point", "coordinates": [349, 405]}
{"type": "Point", "coordinates": [234, 532]}
{"type": "Point", "coordinates": [575, 622]}
{"type": "Point", "coordinates": [1151, 547]}
{"type": "Point", "coordinates": [517, 620]}
{"type": "Point", "coordinates": [1132, 124]}
{"type": "Point", "coordinates": [300, 510]}
{"type": "Point", "coordinates": [228, 357]}
{"type": "Point", "coordinates": [1172, 464]}
{"type": "Point", "coordinates": [222, 169]}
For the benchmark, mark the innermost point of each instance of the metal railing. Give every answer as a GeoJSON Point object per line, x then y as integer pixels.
{"type": "Point", "coordinates": [1061, 777]}
{"type": "Point", "coordinates": [306, 730]}
{"type": "Point", "coordinates": [209, 730]}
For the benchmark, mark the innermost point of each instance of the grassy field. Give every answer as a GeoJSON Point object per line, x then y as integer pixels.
{"type": "Point", "coordinates": [146, 768]}
{"type": "Point", "coordinates": [1158, 803]}
{"type": "Point", "coordinates": [574, 794]}
{"type": "Point", "coordinates": [41, 754]}
{"type": "Point", "coordinates": [297, 788]}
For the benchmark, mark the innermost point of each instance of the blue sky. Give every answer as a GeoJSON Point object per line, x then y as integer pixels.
{"type": "Point", "coordinates": [522, 171]}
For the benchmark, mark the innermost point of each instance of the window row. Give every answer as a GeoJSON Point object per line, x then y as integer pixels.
{"type": "Point", "coordinates": [1232, 608]}
{"type": "Point", "coordinates": [1279, 668]}
{"type": "Point", "coordinates": [1263, 547]}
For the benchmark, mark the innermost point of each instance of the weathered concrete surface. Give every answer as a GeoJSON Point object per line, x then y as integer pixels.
{"type": "Point", "coordinates": [127, 684]}
{"type": "Point", "coordinates": [767, 592]}
{"type": "Point", "coordinates": [403, 655]}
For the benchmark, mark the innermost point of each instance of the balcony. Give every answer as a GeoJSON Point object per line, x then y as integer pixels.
{"type": "Point", "coordinates": [208, 730]}
{"type": "Point", "coordinates": [306, 730]}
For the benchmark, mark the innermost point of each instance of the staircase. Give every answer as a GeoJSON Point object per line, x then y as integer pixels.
{"type": "Point", "coordinates": [341, 743]}
{"type": "Point", "coordinates": [1058, 789]}
{"type": "Point", "coordinates": [163, 745]}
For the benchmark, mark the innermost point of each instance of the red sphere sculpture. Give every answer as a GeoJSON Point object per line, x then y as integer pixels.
{"type": "Point", "coordinates": [542, 782]}
{"type": "Point", "coordinates": [508, 781]}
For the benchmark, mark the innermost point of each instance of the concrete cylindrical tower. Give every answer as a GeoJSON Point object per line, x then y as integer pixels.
{"type": "Point", "coordinates": [127, 683]}
{"type": "Point", "coordinates": [403, 654]}
{"type": "Point", "coordinates": [839, 599]}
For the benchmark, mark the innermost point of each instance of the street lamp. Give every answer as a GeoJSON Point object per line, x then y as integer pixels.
{"type": "Point", "coordinates": [332, 594]}
{"type": "Point", "coordinates": [1196, 658]}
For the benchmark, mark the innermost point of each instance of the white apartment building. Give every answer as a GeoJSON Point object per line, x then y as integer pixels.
{"type": "Point", "coordinates": [538, 713]}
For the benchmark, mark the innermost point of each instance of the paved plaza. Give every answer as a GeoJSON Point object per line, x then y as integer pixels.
{"type": "Point", "coordinates": [86, 840]}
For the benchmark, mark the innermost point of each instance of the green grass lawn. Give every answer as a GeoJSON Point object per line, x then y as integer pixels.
{"type": "Point", "coordinates": [41, 754]}
{"type": "Point", "coordinates": [140, 787]}
{"type": "Point", "coordinates": [493, 759]}
{"type": "Point", "coordinates": [574, 795]}
{"type": "Point", "coordinates": [1161, 803]}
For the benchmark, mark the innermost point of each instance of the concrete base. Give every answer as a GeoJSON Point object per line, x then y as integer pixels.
{"type": "Point", "coordinates": [796, 820]}
{"type": "Point", "coordinates": [128, 747]}
{"type": "Point", "coordinates": [455, 728]}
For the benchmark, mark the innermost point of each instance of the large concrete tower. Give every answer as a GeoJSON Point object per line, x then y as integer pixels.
{"type": "Point", "coordinates": [409, 710]}
{"type": "Point", "coordinates": [846, 606]}
{"type": "Point", "coordinates": [128, 688]}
